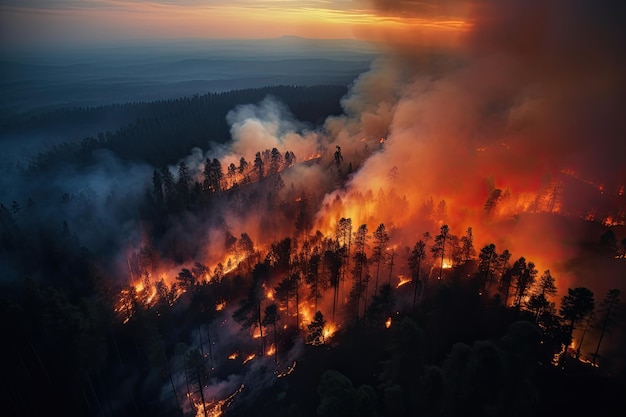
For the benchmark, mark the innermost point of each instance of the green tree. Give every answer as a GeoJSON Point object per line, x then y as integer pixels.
{"type": "Point", "coordinates": [338, 398]}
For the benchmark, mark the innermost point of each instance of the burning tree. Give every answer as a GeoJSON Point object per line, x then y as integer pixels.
{"type": "Point", "coordinates": [439, 246]}
{"type": "Point", "coordinates": [269, 319]}
{"type": "Point", "coordinates": [197, 372]}
{"type": "Point", "coordinates": [316, 329]}
{"type": "Point", "coordinates": [575, 306]}
{"type": "Point", "coordinates": [249, 312]}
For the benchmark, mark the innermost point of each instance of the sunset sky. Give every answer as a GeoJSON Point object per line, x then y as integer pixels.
{"type": "Point", "coordinates": [44, 22]}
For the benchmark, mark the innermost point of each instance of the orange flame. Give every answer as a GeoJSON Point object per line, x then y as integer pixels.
{"type": "Point", "coordinates": [403, 280]}
{"type": "Point", "coordinates": [271, 351]}
{"type": "Point", "coordinates": [329, 330]}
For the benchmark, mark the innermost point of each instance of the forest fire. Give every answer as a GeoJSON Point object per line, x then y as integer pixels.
{"type": "Point", "coordinates": [489, 167]}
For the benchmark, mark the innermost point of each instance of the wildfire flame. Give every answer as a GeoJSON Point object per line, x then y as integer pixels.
{"type": "Point", "coordinates": [271, 351]}
{"type": "Point", "coordinates": [216, 408]}
{"type": "Point", "coordinates": [329, 330]}
{"type": "Point", "coordinates": [403, 280]}
{"type": "Point", "coordinates": [288, 371]}
{"type": "Point", "coordinates": [388, 322]}
{"type": "Point", "coordinates": [249, 358]}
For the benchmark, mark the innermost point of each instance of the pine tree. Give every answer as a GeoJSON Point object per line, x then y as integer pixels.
{"type": "Point", "coordinates": [607, 315]}
{"type": "Point", "coordinates": [381, 239]}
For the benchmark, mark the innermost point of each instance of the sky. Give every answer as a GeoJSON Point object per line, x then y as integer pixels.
{"type": "Point", "coordinates": [80, 22]}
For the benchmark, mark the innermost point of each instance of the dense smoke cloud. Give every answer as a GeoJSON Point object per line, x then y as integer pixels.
{"type": "Point", "coordinates": [553, 70]}
{"type": "Point", "coordinates": [532, 90]}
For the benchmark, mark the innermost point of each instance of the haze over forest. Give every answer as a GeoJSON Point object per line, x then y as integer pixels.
{"type": "Point", "coordinates": [352, 209]}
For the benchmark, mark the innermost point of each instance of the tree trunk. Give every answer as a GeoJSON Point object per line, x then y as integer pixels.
{"type": "Point", "coordinates": [582, 338]}
{"type": "Point", "coordinates": [417, 278]}
{"type": "Point", "coordinates": [201, 392]}
{"type": "Point", "coordinates": [297, 307]}
{"type": "Point", "coordinates": [261, 330]}
{"type": "Point", "coordinates": [275, 344]}
{"type": "Point", "coordinates": [605, 323]}
{"type": "Point", "coordinates": [208, 331]}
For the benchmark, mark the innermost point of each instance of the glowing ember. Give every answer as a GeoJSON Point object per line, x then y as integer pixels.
{"type": "Point", "coordinates": [388, 323]}
{"type": "Point", "coordinates": [249, 358]}
{"type": "Point", "coordinates": [233, 356]}
{"type": "Point", "coordinates": [216, 408]}
{"type": "Point", "coordinates": [220, 306]}
{"type": "Point", "coordinates": [287, 371]}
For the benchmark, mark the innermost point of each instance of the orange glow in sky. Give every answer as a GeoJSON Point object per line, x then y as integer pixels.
{"type": "Point", "coordinates": [82, 21]}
